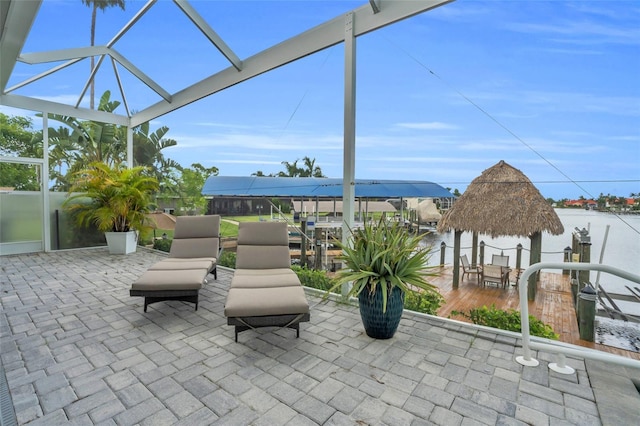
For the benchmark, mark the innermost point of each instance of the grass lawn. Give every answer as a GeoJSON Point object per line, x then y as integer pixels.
{"type": "Point", "coordinates": [253, 218]}
{"type": "Point", "coordinates": [228, 229]}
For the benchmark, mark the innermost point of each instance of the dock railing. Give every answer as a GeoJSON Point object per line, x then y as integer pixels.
{"type": "Point", "coordinates": [563, 350]}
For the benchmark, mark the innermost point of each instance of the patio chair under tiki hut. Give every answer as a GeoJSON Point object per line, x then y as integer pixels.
{"type": "Point", "coordinates": [501, 201]}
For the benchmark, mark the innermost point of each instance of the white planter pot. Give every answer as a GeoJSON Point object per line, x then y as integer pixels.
{"type": "Point", "coordinates": [122, 242]}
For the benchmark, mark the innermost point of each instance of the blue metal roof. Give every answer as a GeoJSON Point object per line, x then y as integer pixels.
{"type": "Point", "coordinates": [254, 186]}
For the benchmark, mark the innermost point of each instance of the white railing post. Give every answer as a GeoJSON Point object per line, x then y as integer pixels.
{"type": "Point", "coordinates": [526, 359]}
{"type": "Point", "coordinates": [561, 366]}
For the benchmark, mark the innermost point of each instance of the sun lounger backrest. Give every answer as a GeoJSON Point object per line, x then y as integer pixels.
{"type": "Point", "coordinates": [263, 245]}
{"type": "Point", "coordinates": [196, 237]}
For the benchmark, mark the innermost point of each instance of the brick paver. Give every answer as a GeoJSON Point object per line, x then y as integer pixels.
{"type": "Point", "coordinates": [76, 348]}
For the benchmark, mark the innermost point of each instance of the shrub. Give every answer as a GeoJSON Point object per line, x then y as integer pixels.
{"type": "Point", "coordinates": [228, 259]}
{"type": "Point", "coordinates": [425, 302]}
{"type": "Point", "coordinates": [162, 244]}
{"type": "Point", "coordinates": [312, 278]}
{"type": "Point", "coordinates": [507, 320]}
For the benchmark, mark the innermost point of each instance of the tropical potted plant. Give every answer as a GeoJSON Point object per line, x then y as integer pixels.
{"type": "Point", "coordinates": [113, 198]}
{"type": "Point", "coordinates": [383, 262]}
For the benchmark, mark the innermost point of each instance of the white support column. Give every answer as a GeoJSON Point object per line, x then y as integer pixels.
{"type": "Point", "coordinates": [46, 217]}
{"type": "Point", "coordinates": [129, 145]}
{"type": "Point", "coordinates": [349, 164]}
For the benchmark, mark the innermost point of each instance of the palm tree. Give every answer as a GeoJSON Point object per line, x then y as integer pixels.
{"type": "Point", "coordinates": [95, 5]}
{"type": "Point", "coordinates": [147, 150]}
{"type": "Point", "coordinates": [81, 143]}
{"type": "Point", "coordinates": [292, 169]}
{"type": "Point", "coordinates": [311, 170]}
{"type": "Point", "coordinates": [93, 141]}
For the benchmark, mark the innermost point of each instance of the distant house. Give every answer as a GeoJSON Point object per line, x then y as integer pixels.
{"type": "Point", "coordinates": [589, 204]}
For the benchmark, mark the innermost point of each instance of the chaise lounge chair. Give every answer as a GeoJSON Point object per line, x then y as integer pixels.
{"type": "Point", "coordinates": [193, 256]}
{"type": "Point", "coordinates": [264, 291]}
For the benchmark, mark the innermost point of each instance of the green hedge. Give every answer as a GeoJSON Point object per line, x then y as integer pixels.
{"type": "Point", "coordinates": [507, 320]}
{"type": "Point", "coordinates": [424, 302]}
{"type": "Point", "coordinates": [313, 278]}
{"type": "Point", "coordinates": [228, 259]}
{"type": "Point", "coordinates": [163, 244]}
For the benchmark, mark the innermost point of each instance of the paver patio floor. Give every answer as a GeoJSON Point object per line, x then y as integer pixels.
{"type": "Point", "coordinates": [76, 348]}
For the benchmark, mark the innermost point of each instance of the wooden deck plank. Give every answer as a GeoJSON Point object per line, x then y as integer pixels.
{"type": "Point", "coordinates": [553, 304]}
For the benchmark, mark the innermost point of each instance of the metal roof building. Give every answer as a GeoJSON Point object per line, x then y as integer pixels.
{"type": "Point", "coordinates": [254, 186]}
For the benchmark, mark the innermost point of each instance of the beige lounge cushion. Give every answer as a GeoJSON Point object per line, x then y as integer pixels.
{"type": "Point", "coordinates": [269, 278]}
{"type": "Point", "coordinates": [194, 247]}
{"type": "Point", "coordinates": [181, 264]}
{"type": "Point", "coordinates": [197, 226]}
{"type": "Point", "coordinates": [251, 302]}
{"type": "Point", "coordinates": [196, 236]}
{"type": "Point", "coordinates": [257, 272]}
{"type": "Point", "coordinates": [262, 257]}
{"type": "Point", "coordinates": [158, 280]}
{"type": "Point", "coordinates": [263, 234]}
{"type": "Point", "coordinates": [263, 245]}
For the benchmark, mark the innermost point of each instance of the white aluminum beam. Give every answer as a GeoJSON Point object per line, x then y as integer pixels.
{"type": "Point", "coordinates": [374, 6]}
{"type": "Point", "coordinates": [46, 217]}
{"type": "Point", "coordinates": [124, 98]}
{"type": "Point", "coordinates": [318, 38]}
{"type": "Point", "coordinates": [206, 29]}
{"type": "Point", "coordinates": [89, 80]}
{"type": "Point", "coordinates": [63, 54]}
{"type": "Point", "coordinates": [20, 18]}
{"type": "Point", "coordinates": [132, 22]}
{"type": "Point", "coordinates": [141, 76]}
{"type": "Point", "coordinates": [41, 75]}
{"type": "Point", "coordinates": [349, 143]}
{"type": "Point", "coordinates": [41, 105]}
{"type": "Point", "coordinates": [85, 52]}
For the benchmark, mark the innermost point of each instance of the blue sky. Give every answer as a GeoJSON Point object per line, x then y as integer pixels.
{"type": "Point", "coordinates": [550, 87]}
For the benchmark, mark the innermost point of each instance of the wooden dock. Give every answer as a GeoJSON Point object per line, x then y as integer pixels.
{"type": "Point", "coordinates": [553, 304]}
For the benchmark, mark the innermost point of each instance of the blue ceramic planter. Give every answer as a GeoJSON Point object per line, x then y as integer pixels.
{"type": "Point", "coordinates": [376, 324]}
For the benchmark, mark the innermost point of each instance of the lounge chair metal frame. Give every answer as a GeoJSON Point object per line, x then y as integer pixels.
{"type": "Point", "coordinates": [190, 296]}
{"type": "Point", "coordinates": [283, 321]}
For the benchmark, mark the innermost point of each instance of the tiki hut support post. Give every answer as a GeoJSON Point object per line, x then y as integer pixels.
{"type": "Point", "coordinates": [535, 257]}
{"type": "Point", "coordinates": [456, 258]}
{"type": "Point", "coordinates": [474, 250]}
{"type": "Point", "coordinates": [518, 259]}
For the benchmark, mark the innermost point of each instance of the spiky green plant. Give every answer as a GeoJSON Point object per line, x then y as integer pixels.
{"type": "Point", "coordinates": [381, 256]}
{"type": "Point", "coordinates": [114, 199]}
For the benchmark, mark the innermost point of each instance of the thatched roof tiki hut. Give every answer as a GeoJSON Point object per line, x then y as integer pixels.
{"type": "Point", "coordinates": [501, 201]}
